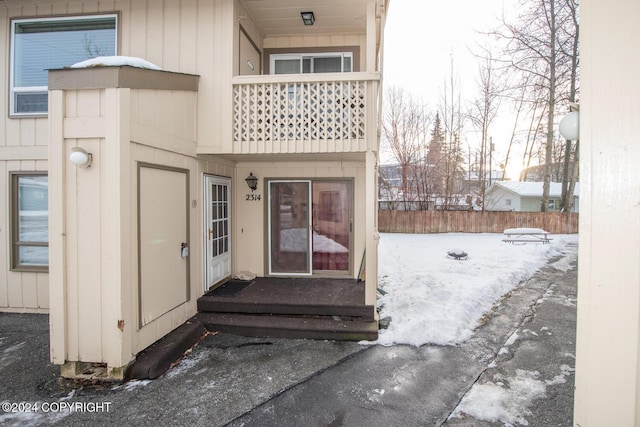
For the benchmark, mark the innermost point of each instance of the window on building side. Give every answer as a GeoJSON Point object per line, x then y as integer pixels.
{"type": "Point", "coordinates": [30, 221]}
{"type": "Point", "coordinates": [311, 63]}
{"type": "Point", "coordinates": [38, 45]}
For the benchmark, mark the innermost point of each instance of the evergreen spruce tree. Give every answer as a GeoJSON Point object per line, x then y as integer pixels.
{"type": "Point", "coordinates": [436, 158]}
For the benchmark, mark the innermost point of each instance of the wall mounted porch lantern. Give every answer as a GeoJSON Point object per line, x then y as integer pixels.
{"type": "Point", "coordinates": [80, 157]}
{"type": "Point", "coordinates": [308, 18]}
{"type": "Point", "coordinates": [252, 181]}
{"type": "Point", "coordinates": [569, 126]}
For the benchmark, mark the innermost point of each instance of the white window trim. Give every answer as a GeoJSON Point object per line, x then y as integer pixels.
{"type": "Point", "coordinates": [35, 89]}
{"type": "Point", "coordinates": [301, 56]}
{"type": "Point", "coordinates": [15, 265]}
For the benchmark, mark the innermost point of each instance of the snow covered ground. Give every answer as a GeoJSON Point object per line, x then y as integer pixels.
{"type": "Point", "coordinates": [431, 298]}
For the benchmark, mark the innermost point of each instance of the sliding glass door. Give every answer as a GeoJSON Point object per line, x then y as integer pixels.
{"type": "Point", "coordinates": [310, 226]}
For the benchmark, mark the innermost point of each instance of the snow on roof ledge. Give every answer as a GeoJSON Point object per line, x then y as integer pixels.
{"type": "Point", "coordinates": [116, 61]}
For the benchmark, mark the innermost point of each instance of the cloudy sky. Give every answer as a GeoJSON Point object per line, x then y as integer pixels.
{"type": "Point", "coordinates": [421, 40]}
{"type": "Point", "coordinates": [422, 36]}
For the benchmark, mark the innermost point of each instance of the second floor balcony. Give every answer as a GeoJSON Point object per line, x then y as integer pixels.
{"type": "Point", "coordinates": [306, 113]}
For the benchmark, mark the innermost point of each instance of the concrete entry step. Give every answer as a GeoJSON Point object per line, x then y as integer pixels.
{"type": "Point", "coordinates": [282, 326]}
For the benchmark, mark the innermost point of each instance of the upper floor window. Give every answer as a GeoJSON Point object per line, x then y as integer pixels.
{"type": "Point", "coordinates": [38, 45]}
{"type": "Point", "coordinates": [340, 62]}
{"type": "Point", "coordinates": [30, 221]}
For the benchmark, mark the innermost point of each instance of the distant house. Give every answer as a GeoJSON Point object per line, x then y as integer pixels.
{"type": "Point", "coordinates": [525, 196]}
{"type": "Point", "coordinates": [422, 193]}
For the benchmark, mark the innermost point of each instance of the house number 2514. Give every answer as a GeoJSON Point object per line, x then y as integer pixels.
{"type": "Point", "coordinates": [253, 197]}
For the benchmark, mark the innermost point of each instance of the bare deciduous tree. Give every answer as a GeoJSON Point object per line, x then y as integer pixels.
{"type": "Point", "coordinates": [453, 156]}
{"type": "Point", "coordinates": [405, 127]}
{"type": "Point", "coordinates": [570, 169]}
{"type": "Point", "coordinates": [541, 44]}
{"type": "Point", "coordinates": [482, 112]}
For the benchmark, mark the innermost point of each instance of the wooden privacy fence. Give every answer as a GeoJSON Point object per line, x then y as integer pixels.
{"type": "Point", "coordinates": [474, 221]}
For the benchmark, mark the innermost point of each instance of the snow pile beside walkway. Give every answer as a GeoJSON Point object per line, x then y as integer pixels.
{"type": "Point", "coordinates": [434, 299]}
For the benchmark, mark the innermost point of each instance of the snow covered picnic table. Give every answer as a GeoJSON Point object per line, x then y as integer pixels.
{"type": "Point", "coordinates": [526, 235]}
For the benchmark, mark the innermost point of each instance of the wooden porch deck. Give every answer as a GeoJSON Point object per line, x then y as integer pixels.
{"type": "Point", "coordinates": [315, 308]}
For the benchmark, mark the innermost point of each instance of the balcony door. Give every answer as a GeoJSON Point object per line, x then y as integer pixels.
{"type": "Point", "coordinates": [310, 226]}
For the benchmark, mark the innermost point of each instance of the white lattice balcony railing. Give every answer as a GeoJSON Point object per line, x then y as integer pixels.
{"type": "Point", "coordinates": [305, 113]}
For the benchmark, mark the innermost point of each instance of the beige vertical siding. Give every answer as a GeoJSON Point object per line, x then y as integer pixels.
{"type": "Point", "coordinates": [249, 27]}
{"type": "Point", "coordinates": [121, 127]}
{"type": "Point", "coordinates": [608, 332]}
{"type": "Point", "coordinates": [22, 148]}
{"type": "Point", "coordinates": [189, 36]}
{"type": "Point", "coordinates": [178, 35]}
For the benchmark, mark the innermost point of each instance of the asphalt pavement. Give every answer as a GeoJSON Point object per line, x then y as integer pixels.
{"type": "Point", "coordinates": [516, 369]}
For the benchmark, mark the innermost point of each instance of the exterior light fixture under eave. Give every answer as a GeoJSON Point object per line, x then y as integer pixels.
{"type": "Point", "coordinates": [80, 157]}
{"type": "Point", "coordinates": [569, 126]}
{"type": "Point", "coordinates": [252, 181]}
{"type": "Point", "coordinates": [308, 18]}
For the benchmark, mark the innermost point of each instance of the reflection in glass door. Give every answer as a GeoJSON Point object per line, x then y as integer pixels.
{"type": "Point", "coordinates": [331, 225]}
{"type": "Point", "coordinates": [289, 227]}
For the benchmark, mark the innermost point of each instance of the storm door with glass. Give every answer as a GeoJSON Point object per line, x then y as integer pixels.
{"type": "Point", "coordinates": [310, 226]}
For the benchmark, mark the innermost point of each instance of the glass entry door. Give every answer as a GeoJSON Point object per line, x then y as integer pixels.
{"type": "Point", "coordinates": [289, 227]}
{"type": "Point", "coordinates": [310, 226]}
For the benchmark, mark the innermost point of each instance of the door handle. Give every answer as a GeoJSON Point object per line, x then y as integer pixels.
{"type": "Point", "coordinates": [184, 249]}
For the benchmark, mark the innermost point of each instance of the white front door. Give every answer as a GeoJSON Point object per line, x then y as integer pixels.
{"type": "Point", "coordinates": [217, 228]}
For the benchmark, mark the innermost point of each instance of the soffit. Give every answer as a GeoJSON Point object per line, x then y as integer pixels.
{"type": "Point", "coordinates": [282, 17]}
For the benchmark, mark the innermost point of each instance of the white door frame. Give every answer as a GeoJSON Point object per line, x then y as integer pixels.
{"type": "Point", "coordinates": [217, 261]}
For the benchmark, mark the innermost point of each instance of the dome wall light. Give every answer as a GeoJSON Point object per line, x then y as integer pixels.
{"type": "Point", "coordinates": [80, 157]}
{"type": "Point", "coordinates": [569, 126]}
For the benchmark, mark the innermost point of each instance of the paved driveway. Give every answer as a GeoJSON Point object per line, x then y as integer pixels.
{"type": "Point", "coordinates": [517, 368]}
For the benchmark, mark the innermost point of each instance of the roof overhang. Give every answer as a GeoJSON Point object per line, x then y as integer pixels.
{"type": "Point", "coordinates": [282, 17]}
